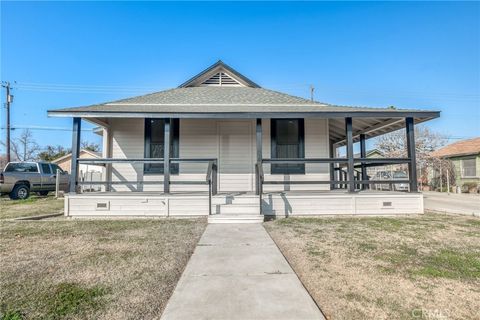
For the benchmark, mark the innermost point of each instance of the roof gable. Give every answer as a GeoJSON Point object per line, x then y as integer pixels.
{"type": "Point", "coordinates": [219, 74]}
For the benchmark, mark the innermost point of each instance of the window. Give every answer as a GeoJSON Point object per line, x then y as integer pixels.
{"type": "Point", "coordinates": [469, 168]}
{"type": "Point", "coordinates": [288, 136]}
{"type": "Point", "coordinates": [21, 167]}
{"type": "Point", "coordinates": [154, 138]}
{"type": "Point", "coordinates": [46, 168]}
{"type": "Point", "coordinates": [55, 168]}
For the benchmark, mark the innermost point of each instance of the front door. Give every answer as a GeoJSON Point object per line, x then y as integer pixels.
{"type": "Point", "coordinates": [235, 156]}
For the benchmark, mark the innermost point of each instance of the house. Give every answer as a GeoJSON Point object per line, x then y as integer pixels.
{"type": "Point", "coordinates": [465, 158]}
{"type": "Point", "coordinates": [221, 145]}
{"type": "Point", "coordinates": [86, 172]}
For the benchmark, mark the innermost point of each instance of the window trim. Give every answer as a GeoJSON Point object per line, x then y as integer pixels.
{"type": "Point", "coordinates": [287, 169]}
{"type": "Point", "coordinates": [463, 168]}
{"type": "Point", "coordinates": [174, 145]}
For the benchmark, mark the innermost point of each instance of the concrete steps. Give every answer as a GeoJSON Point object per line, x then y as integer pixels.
{"type": "Point", "coordinates": [236, 208]}
{"type": "Point", "coordinates": [232, 218]}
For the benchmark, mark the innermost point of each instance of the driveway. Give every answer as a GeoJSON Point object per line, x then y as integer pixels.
{"type": "Point", "coordinates": [466, 204]}
{"type": "Point", "coordinates": [237, 272]}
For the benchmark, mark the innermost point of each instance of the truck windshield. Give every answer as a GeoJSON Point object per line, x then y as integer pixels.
{"type": "Point", "coordinates": [21, 167]}
{"type": "Point", "coordinates": [399, 174]}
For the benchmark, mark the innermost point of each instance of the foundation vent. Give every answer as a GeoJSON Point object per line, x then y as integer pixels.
{"type": "Point", "coordinates": [103, 206]}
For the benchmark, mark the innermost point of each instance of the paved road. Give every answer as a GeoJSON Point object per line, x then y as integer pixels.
{"type": "Point", "coordinates": [237, 272]}
{"type": "Point", "coordinates": [467, 204]}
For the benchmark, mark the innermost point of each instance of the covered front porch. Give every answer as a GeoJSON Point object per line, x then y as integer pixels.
{"type": "Point", "coordinates": [241, 184]}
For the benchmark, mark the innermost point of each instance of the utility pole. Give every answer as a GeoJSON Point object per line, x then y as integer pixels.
{"type": "Point", "coordinates": [9, 100]}
{"type": "Point", "coordinates": [312, 89]}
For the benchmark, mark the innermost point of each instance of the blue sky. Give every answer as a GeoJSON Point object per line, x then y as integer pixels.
{"type": "Point", "coordinates": [407, 54]}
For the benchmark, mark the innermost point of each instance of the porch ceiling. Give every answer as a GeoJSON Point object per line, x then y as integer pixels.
{"type": "Point", "coordinates": [371, 127]}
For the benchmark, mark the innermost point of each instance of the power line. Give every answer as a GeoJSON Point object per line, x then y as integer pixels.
{"type": "Point", "coordinates": [44, 128]}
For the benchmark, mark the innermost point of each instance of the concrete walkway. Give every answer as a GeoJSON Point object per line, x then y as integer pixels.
{"type": "Point", "coordinates": [237, 272]}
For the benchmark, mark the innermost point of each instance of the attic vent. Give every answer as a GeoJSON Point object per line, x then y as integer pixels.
{"type": "Point", "coordinates": [221, 79]}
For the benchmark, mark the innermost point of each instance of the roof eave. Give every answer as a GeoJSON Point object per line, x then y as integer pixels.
{"type": "Point", "coordinates": [424, 115]}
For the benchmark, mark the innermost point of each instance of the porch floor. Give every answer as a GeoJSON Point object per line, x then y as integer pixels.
{"type": "Point", "coordinates": [243, 193]}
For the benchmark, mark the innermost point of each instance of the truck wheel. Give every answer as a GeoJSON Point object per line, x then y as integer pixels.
{"type": "Point", "coordinates": [42, 193]}
{"type": "Point", "coordinates": [20, 191]}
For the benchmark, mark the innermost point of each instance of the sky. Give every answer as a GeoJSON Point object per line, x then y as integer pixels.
{"type": "Point", "coordinates": [421, 55]}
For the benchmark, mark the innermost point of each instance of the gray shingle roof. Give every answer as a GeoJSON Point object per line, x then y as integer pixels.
{"type": "Point", "coordinates": [214, 100]}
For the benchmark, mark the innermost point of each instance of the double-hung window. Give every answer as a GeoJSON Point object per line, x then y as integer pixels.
{"type": "Point", "coordinates": [154, 144]}
{"type": "Point", "coordinates": [469, 168]}
{"type": "Point", "coordinates": [288, 141]}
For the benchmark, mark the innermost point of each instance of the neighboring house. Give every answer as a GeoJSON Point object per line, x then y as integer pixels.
{"type": "Point", "coordinates": [256, 150]}
{"type": "Point", "coordinates": [376, 154]}
{"type": "Point", "coordinates": [87, 172]}
{"type": "Point", "coordinates": [465, 157]}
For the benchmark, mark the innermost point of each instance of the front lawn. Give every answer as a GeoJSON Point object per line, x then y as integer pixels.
{"type": "Point", "coordinates": [33, 206]}
{"type": "Point", "coordinates": [425, 267]}
{"type": "Point", "coordinates": [103, 269]}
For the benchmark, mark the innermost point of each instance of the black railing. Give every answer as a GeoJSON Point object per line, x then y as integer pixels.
{"type": "Point", "coordinates": [210, 179]}
{"type": "Point", "coordinates": [359, 181]}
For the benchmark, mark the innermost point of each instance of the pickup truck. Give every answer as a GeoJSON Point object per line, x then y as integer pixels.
{"type": "Point", "coordinates": [18, 179]}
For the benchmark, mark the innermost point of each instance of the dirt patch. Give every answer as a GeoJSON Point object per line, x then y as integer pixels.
{"type": "Point", "coordinates": [425, 267]}
{"type": "Point", "coordinates": [33, 206]}
{"type": "Point", "coordinates": [93, 269]}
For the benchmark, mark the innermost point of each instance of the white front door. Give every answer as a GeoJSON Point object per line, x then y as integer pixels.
{"type": "Point", "coordinates": [235, 165]}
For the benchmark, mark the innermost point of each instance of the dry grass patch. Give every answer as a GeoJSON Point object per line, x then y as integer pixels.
{"type": "Point", "coordinates": [102, 269]}
{"type": "Point", "coordinates": [425, 267]}
{"type": "Point", "coordinates": [33, 206]}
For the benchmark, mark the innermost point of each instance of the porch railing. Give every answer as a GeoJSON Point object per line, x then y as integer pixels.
{"type": "Point", "coordinates": [342, 167]}
{"type": "Point", "coordinates": [210, 177]}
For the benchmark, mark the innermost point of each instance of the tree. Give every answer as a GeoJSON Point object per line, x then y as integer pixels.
{"type": "Point", "coordinates": [24, 148]}
{"type": "Point", "coordinates": [394, 144]}
{"type": "Point", "coordinates": [53, 152]}
{"type": "Point", "coordinates": [90, 146]}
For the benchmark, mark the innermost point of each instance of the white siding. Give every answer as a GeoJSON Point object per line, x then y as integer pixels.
{"type": "Point", "coordinates": [127, 142]}
{"type": "Point", "coordinates": [276, 204]}
{"type": "Point", "coordinates": [199, 138]}
{"type": "Point", "coordinates": [283, 205]}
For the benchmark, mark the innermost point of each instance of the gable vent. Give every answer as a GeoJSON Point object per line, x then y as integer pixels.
{"type": "Point", "coordinates": [221, 79]}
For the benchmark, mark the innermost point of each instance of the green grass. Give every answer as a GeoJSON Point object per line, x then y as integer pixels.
{"type": "Point", "coordinates": [451, 264]}
{"type": "Point", "coordinates": [61, 301]}
{"type": "Point", "coordinates": [33, 206]}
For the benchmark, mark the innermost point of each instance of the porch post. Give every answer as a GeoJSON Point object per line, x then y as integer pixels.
{"type": "Point", "coordinates": [350, 175]}
{"type": "Point", "coordinates": [258, 131]}
{"type": "Point", "coordinates": [166, 156]}
{"type": "Point", "coordinates": [76, 129]}
{"type": "Point", "coordinates": [412, 164]}
{"type": "Point", "coordinates": [332, 151]}
{"type": "Point", "coordinates": [363, 154]}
